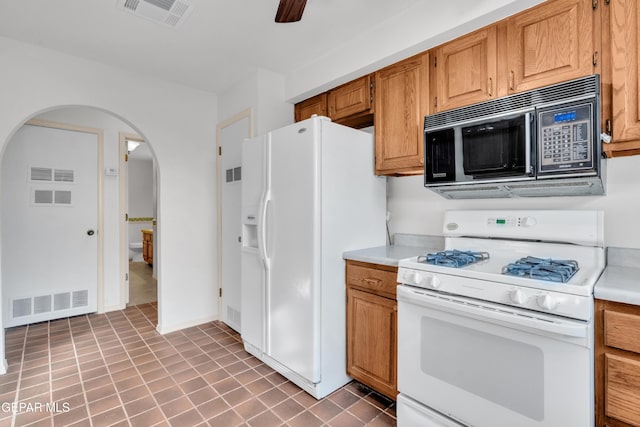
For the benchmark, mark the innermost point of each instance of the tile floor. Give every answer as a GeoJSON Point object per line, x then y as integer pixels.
{"type": "Point", "coordinates": [115, 369]}
{"type": "Point", "coordinates": [143, 288]}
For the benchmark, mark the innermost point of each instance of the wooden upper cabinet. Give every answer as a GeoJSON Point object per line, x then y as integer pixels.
{"type": "Point", "coordinates": [464, 70]}
{"type": "Point", "coordinates": [350, 104]}
{"type": "Point", "coordinates": [401, 103]}
{"type": "Point", "coordinates": [315, 105]}
{"type": "Point", "coordinates": [355, 97]}
{"type": "Point", "coordinates": [550, 43]}
{"type": "Point", "coordinates": [625, 62]}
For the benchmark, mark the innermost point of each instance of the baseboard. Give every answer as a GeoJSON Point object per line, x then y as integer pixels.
{"type": "Point", "coordinates": [162, 329]}
{"type": "Point", "coordinates": [113, 308]}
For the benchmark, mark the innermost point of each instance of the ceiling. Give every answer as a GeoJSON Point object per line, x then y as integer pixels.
{"type": "Point", "coordinates": [218, 45]}
{"type": "Point", "coordinates": [224, 42]}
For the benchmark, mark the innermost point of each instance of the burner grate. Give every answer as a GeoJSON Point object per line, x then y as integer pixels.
{"type": "Point", "coordinates": [453, 258]}
{"type": "Point", "coordinates": [553, 270]}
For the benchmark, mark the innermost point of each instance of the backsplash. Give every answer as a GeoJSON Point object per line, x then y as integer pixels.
{"type": "Point", "coordinates": [623, 257]}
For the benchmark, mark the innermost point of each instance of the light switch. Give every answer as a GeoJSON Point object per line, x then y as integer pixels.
{"type": "Point", "coordinates": [111, 171]}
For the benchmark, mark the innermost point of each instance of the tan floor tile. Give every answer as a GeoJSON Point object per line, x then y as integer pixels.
{"type": "Point", "coordinates": [116, 370]}
{"type": "Point", "coordinates": [139, 406]}
{"type": "Point", "coordinates": [305, 419]}
{"type": "Point", "coordinates": [108, 418]}
{"type": "Point", "coordinates": [228, 418]}
{"type": "Point", "coordinates": [149, 418]}
{"type": "Point", "coordinates": [266, 419]}
{"type": "Point", "coordinates": [288, 409]}
{"type": "Point", "coordinates": [203, 395]}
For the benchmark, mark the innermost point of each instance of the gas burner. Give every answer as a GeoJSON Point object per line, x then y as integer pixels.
{"type": "Point", "coordinates": [453, 258]}
{"type": "Point", "coordinates": [553, 270]}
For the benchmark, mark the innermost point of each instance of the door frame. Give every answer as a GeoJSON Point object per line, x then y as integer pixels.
{"type": "Point", "coordinates": [245, 114]}
{"type": "Point", "coordinates": [100, 151]}
{"type": "Point", "coordinates": [123, 182]}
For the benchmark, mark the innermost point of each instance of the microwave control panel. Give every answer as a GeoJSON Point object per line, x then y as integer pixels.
{"type": "Point", "coordinates": [565, 139]}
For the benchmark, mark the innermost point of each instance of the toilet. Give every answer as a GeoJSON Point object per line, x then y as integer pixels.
{"type": "Point", "coordinates": [135, 252]}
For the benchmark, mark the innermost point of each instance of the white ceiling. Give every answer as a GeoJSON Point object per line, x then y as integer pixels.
{"type": "Point", "coordinates": [222, 42]}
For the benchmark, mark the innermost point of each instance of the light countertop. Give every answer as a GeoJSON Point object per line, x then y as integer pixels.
{"type": "Point", "coordinates": [405, 246]}
{"type": "Point", "coordinates": [620, 281]}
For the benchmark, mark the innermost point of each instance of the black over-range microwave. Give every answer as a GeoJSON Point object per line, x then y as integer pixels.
{"type": "Point", "coordinates": [544, 142]}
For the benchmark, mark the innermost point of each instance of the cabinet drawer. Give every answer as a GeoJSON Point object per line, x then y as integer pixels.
{"type": "Point", "coordinates": [622, 330]}
{"type": "Point", "coordinates": [622, 393]}
{"type": "Point", "coordinates": [373, 279]}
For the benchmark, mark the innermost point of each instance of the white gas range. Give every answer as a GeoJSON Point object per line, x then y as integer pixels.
{"type": "Point", "coordinates": [497, 329]}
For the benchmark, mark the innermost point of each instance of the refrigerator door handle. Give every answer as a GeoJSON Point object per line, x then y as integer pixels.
{"type": "Point", "coordinates": [262, 229]}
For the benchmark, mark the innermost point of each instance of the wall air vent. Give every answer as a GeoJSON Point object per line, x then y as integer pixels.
{"type": "Point", "coordinates": [80, 298]}
{"type": "Point", "coordinates": [168, 12]}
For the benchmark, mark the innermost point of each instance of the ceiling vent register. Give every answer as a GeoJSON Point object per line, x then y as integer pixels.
{"type": "Point", "coordinates": [167, 12]}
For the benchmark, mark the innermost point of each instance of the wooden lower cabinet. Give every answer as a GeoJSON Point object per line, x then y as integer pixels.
{"type": "Point", "coordinates": [617, 364]}
{"type": "Point", "coordinates": [372, 326]}
{"type": "Point", "coordinates": [147, 246]}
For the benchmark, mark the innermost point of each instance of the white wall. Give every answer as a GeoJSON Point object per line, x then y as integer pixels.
{"type": "Point", "coordinates": [264, 93]}
{"type": "Point", "coordinates": [140, 194]}
{"type": "Point", "coordinates": [179, 124]}
{"type": "Point", "coordinates": [414, 209]}
{"type": "Point", "coordinates": [418, 28]}
{"type": "Point", "coordinates": [140, 188]}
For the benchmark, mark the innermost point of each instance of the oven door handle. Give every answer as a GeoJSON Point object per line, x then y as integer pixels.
{"type": "Point", "coordinates": [494, 313]}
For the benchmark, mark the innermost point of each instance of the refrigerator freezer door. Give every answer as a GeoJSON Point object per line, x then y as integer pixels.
{"type": "Point", "coordinates": [293, 248]}
{"type": "Point", "coordinates": [252, 278]}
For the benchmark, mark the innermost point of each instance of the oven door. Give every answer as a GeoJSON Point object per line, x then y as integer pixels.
{"type": "Point", "coordinates": [488, 365]}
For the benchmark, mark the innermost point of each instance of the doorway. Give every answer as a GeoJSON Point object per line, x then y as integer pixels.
{"type": "Point", "coordinates": [111, 274]}
{"type": "Point", "coordinates": [230, 134]}
{"type": "Point", "coordinates": [140, 184]}
{"type": "Point", "coordinates": [51, 222]}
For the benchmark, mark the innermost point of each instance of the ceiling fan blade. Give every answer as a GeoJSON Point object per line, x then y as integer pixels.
{"type": "Point", "coordinates": [290, 10]}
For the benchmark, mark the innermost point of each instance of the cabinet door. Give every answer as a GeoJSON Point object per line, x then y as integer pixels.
{"type": "Point", "coordinates": [551, 43]}
{"type": "Point", "coordinates": [351, 98]}
{"type": "Point", "coordinates": [315, 105]}
{"type": "Point", "coordinates": [401, 103]}
{"type": "Point", "coordinates": [622, 392]}
{"type": "Point", "coordinates": [625, 60]}
{"type": "Point", "coordinates": [465, 70]}
{"type": "Point", "coordinates": [372, 341]}
{"type": "Point", "coordinates": [617, 364]}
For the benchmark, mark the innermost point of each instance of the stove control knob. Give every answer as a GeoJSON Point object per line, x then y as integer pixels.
{"type": "Point", "coordinates": [547, 302]}
{"type": "Point", "coordinates": [433, 282]}
{"type": "Point", "coordinates": [417, 279]}
{"type": "Point", "coordinates": [518, 297]}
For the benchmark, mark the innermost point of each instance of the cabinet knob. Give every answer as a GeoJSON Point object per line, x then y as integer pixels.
{"type": "Point", "coordinates": [372, 282]}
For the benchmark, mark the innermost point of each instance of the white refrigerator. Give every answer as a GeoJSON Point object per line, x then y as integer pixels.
{"type": "Point", "coordinates": [309, 193]}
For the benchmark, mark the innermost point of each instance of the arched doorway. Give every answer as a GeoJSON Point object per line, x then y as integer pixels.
{"type": "Point", "coordinates": [110, 211]}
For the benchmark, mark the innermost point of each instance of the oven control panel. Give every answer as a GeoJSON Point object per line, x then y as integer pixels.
{"type": "Point", "coordinates": [539, 300]}
{"type": "Point", "coordinates": [510, 221]}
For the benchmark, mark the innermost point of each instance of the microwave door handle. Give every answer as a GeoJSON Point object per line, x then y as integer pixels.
{"type": "Point", "coordinates": [527, 143]}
